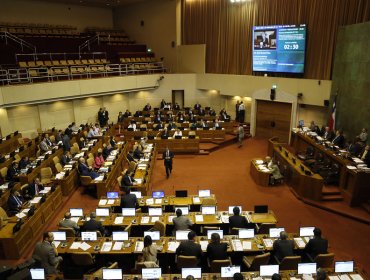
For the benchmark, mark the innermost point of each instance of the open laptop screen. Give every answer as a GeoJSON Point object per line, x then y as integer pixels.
{"type": "Point", "coordinates": [231, 208]}
{"type": "Point", "coordinates": [208, 210]}
{"type": "Point", "coordinates": [196, 272]}
{"type": "Point", "coordinates": [268, 270]}
{"type": "Point", "coordinates": [306, 231]}
{"type": "Point", "coordinates": [246, 233]}
{"type": "Point", "coordinates": [151, 273]}
{"type": "Point", "coordinates": [102, 212]}
{"type": "Point", "coordinates": [344, 267]}
{"type": "Point", "coordinates": [158, 194]}
{"type": "Point", "coordinates": [76, 212]}
{"type": "Point", "coordinates": [259, 209]}
{"type": "Point", "coordinates": [112, 273]}
{"type": "Point", "coordinates": [229, 271]}
{"type": "Point", "coordinates": [155, 235]}
{"type": "Point", "coordinates": [204, 193]}
{"type": "Point", "coordinates": [306, 268]}
{"type": "Point", "coordinates": [89, 236]}
{"type": "Point", "coordinates": [155, 211]}
{"type": "Point", "coordinates": [112, 195]}
{"type": "Point", "coordinates": [182, 234]}
{"type": "Point", "coordinates": [275, 232]}
{"type": "Point", "coordinates": [120, 235]}
{"type": "Point", "coordinates": [219, 231]}
{"type": "Point", "coordinates": [184, 209]}
{"type": "Point", "coordinates": [37, 273]}
{"type": "Point", "coordinates": [59, 235]}
{"type": "Point", "coordinates": [128, 212]}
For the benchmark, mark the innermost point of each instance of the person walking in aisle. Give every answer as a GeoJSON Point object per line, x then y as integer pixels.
{"type": "Point", "coordinates": [240, 134]}
{"type": "Point", "coordinates": [167, 158]}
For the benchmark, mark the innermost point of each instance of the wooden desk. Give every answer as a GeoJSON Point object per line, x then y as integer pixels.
{"type": "Point", "coordinates": [12, 246]}
{"type": "Point", "coordinates": [177, 145]}
{"type": "Point", "coordinates": [352, 183]}
{"type": "Point", "coordinates": [262, 178]}
{"type": "Point", "coordinates": [70, 183]}
{"type": "Point", "coordinates": [10, 144]}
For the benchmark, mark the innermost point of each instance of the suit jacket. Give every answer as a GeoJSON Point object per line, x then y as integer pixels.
{"type": "Point", "coordinates": [129, 201]}
{"type": "Point", "coordinates": [127, 181]}
{"type": "Point", "coordinates": [181, 223]}
{"type": "Point", "coordinates": [328, 135]}
{"type": "Point", "coordinates": [43, 146]}
{"type": "Point", "coordinates": [32, 189]}
{"type": "Point", "coordinates": [315, 246]}
{"type": "Point", "coordinates": [12, 173]}
{"type": "Point", "coordinates": [217, 251]}
{"type": "Point", "coordinates": [238, 222]}
{"type": "Point", "coordinates": [68, 223]}
{"type": "Point", "coordinates": [167, 161]}
{"type": "Point", "coordinates": [283, 248]}
{"type": "Point", "coordinates": [85, 171]}
{"type": "Point", "coordinates": [367, 157]}
{"type": "Point", "coordinates": [22, 163]}
{"type": "Point", "coordinates": [189, 248]}
{"type": "Point", "coordinates": [93, 225]}
{"type": "Point", "coordinates": [13, 204]}
{"type": "Point", "coordinates": [339, 141]}
{"type": "Point", "coordinates": [66, 143]}
{"type": "Point", "coordinates": [64, 160]}
{"type": "Point", "coordinates": [44, 254]}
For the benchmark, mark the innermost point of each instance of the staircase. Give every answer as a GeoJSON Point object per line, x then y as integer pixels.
{"type": "Point", "coordinates": [331, 193]}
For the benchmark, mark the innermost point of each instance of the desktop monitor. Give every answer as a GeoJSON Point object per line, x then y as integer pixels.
{"type": "Point", "coordinates": [204, 193]}
{"type": "Point", "coordinates": [260, 209]}
{"type": "Point", "coordinates": [89, 236]}
{"type": "Point", "coordinates": [184, 209]}
{"type": "Point", "coordinates": [268, 270]}
{"type": "Point", "coordinates": [155, 235]}
{"type": "Point", "coordinates": [246, 233]}
{"type": "Point", "coordinates": [181, 193]}
{"type": "Point", "coordinates": [229, 271]}
{"type": "Point", "coordinates": [138, 194]}
{"type": "Point", "coordinates": [119, 235]}
{"type": "Point", "coordinates": [37, 273]}
{"type": "Point", "coordinates": [208, 210]}
{"type": "Point", "coordinates": [112, 195]}
{"type": "Point", "coordinates": [158, 194]}
{"type": "Point", "coordinates": [155, 211]}
{"type": "Point", "coordinates": [128, 212]}
{"type": "Point", "coordinates": [112, 273]}
{"type": "Point", "coordinates": [306, 268]}
{"type": "Point", "coordinates": [59, 235]}
{"type": "Point", "coordinates": [219, 231]}
{"type": "Point", "coordinates": [196, 272]}
{"type": "Point", "coordinates": [306, 231]}
{"type": "Point", "coordinates": [344, 267]}
{"type": "Point", "coordinates": [275, 232]}
{"type": "Point", "coordinates": [151, 273]}
{"type": "Point", "coordinates": [76, 212]}
{"type": "Point", "coordinates": [102, 212]}
{"type": "Point", "coordinates": [182, 234]}
{"type": "Point", "coordinates": [231, 208]}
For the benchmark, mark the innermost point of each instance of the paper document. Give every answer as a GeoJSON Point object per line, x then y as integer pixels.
{"type": "Point", "coordinates": [225, 219]}
{"type": "Point", "coordinates": [102, 202]}
{"type": "Point", "coordinates": [154, 219]}
{"type": "Point", "coordinates": [117, 246]}
{"type": "Point", "coordinates": [75, 245]}
{"type": "Point", "coordinates": [158, 201]}
{"type": "Point", "coordinates": [110, 201]}
{"type": "Point", "coordinates": [150, 201]}
{"type": "Point", "coordinates": [300, 243]}
{"type": "Point", "coordinates": [356, 277]}
{"type": "Point", "coordinates": [75, 219]}
{"type": "Point", "coordinates": [20, 215]}
{"type": "Point", "coordinates": [107, 246]}
{"type": "Point", "coordinates": [268, 242]}
{"type": "Point", "coordinates": [139, 246]}
{"type": "Point", "coordinates": [100, 178]}
{"type": "Point", "coordinates": [84, 246]}
{"type": "Point", "coordinates": [332, 277]}
{"type": "Point", "coordinates": [145, 220]}
{"type": "Point", "coordinates": [237, 245]}
{"type": "Point", "coordinates": [344, 277]}
{"type": "Point", "coordinates": [118, 220]}
{"type": "Point", "coordinates": [170, 218]}
{"type": "Point", "coordinates": [203, 244]}
{"type": "Point", "coordinates": [35, 200]}
{"type": "Point", "coordinates": [247, 245]}
{"type": "Point", "coordinates": [56, 243]}
{"type": "Point", "coordinates": [259, 161]}
{"type": "Point", "coordinates": [199, 218]}
{"type": "Point", "coordinates": [172, 246]}
{"type": "Point", "coordinates": [196, 199]}
{"type": "Point", "coordinates": [59, 176]}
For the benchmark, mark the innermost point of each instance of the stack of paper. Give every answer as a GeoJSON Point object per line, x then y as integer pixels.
{"type": "Point", "coordinates": [75, 219]}
{"type": "Point", "coordinates": [300, 243]}
{"type": "Point", "coordinates": [59, 176]}
{"type": "Point", "coordinates": [356, 277]}
{"type": "Point", "coordinates": [196, 199]}
{"type": "Point", "coordinates": [139, 246]}
{"type": "Point", "coordinates": [56, 243]}
{"type": "Point", "coordinates": [199, 218]}
{"type": "Point", "coordinates": [225, 219]}
{"type": "Point", "coordinates": [145, 220]}
{"type": "Point", "coordinates": [35, 200]}
{"type": "Point", "coordinates": [154, 219]}
{"type": "Point", "coordinates": [117, 246]}
{"type": "Point", "coordinates": [172, 246]}
{"type": "Point", "coordinates": [75, 245]}
{"type": "Point", "coordinates": [102, 202]}
{"type": "Point", "coordinates": [149, 201]}
{"type": "Point", "coordinates": [118, 220]}
{"type": "Point", "coordinates": [110, 201]}
{"type": "Point", "coordinates": [107, 246]}
{"type": "Point", "coordinates": [170, 218]}
{"type": "Point", "coordinates": [84, 246]}
{"type": "Point", "coordinates": [268, 243]}
{"type": "Point", "coordinates": [334, 277]}
{"type": "Point", "coordinates": [237, 245]}
{"type": "Point", "coordinates": [247, 245]}
{"type": "Point", "coordinates": [100, 178]}
{"type": "Point", "coordinates": [158, 201]}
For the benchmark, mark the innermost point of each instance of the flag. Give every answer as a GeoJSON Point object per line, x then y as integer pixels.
{"type": "Point", "coordinates": [331, 123]}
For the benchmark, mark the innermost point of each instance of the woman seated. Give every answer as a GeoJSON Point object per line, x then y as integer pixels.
{"type": "Point", "coordinates": [99, 160]}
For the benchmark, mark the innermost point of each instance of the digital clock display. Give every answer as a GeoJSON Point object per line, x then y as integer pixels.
{"type": "Point", "coordinates": [279, 48]}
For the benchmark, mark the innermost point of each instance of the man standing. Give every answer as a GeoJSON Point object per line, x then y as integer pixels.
{"type": "Point", "coordinates": [240, 133]}
{"type": "Point", "coordinates": [237, 111]}
{"type": "Point", "coordinates": [241, 112]}
{"type": "Point", "coordinates": [167, 158]}
{"type": "Point", "coordinates": [46, 254]}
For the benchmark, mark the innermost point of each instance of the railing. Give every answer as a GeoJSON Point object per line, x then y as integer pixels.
{"type": "Point", "coordinates": [8, 36]}
{"type": "Point", "coordinates": [58, 56]}
{"type": "Point", "coordinates": [88, 43]}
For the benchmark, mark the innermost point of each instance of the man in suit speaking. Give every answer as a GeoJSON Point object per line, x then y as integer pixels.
{"type": "Point", "coordinates": [167, 158]}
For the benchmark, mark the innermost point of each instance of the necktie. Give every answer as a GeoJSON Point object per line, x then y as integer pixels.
{"type": "Point", "coordinates": [36, 189]}
{"type": "Point", "coordinates": [18, 200]}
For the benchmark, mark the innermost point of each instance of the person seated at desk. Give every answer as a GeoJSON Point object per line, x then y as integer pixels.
{"type": "Point", "coordinates": [107, 149]}
{"type": "Point", "coordinates": [201, 112]}
{"type": "Point", "coordinates": [74, 128]}
{"type": "Point", "coordinates": [48, 141]}
{"type": "Point", "coordinates": [314, 128]}
{"type": "Point", "coordinates": [120, 117]}
{"type": "Point", "coordinates": [147, 107]}
{"type": "Point", "coordinates": [149, 252]}
{"type": "Point", "coordinates": [320, 274]}
{"type": "Point", "coordinates": [65, 158]}
{"type": "Point", "coordinates": [127, 114]}
{"type": "Point", "coordinates": [128, 200]}
{"type": "Point", "coordinates": [82, 143]}
{"type": "Point", "coordinates": [215, 249]}
{"type": "Point", "coordinates": [237, 221]}
{"type": "Point", "coordinates": [59, 136]}
{"type": "Point", "coordinates": [180, 117]}
{"type": "Point", "coordinates": [197, 106]}
{"type": "Point", "coordinates": [354, 148]}
{"type": "Point", "coordinates": [176, 106]}
{"type": "Point", "coordinates": [86, 170]}
{"type": "Point", "coordinates": [283, 247]}
{"type": "Point", "coordinates": [132, 126]}
{"type": "Point", "coordinates": [34, 188]}
{"type": "Point", "coordinates": [192, 118]}
{"type": "Point", "coordinates": [112, 142]}
{"type": "Point", "coordinates": [163, 104]}
{"type": "Point", "coordinates": [202, 124]}
{"type": "Point", "coordinates": [327, 134]}
{"type": "Point", "coordinates": [339, 139]}
{"type": "Point", "coordinates": [158, 126]}
{"type": "Point", "coordinates": [15, 202]}
{"type": "Point", "coordinates": [92, 132]}
{"type": "Point", "coordinates": [98, 160]}
{"type": "Point", "coordinates": [13, 172]}
{"type": "Point", "coordinates": [68, 223]}
{"type": "Point", "coordinates": [181, 222]}
{"type": "Point", "coordinates": [93, 224]}
{"type": "Point", "coordinates": [317, 245]}
{"type": "Point", "coordinates": [171, 126]}
{"type": "Point", "coordinates": [275, 172]}
{"type": "Point", "coordinates": [137, 153]}
{"type": "Point", "coordinates": [2, 158]}
{"type": "Point", "coordinates": [223, 115]}
{"type": "Point", "coordinates": [212, 112]}
{"type": "Point", "coordinates": [22, 164]}
{"type": "Point", "coordinates": [157, 118]}
{"type": "Point", "coordinates": [365, 155]}
{"type": "Point", "coordinates": [216, 123]}
{"type": "Point", "coordinates": [165, 134]}
{"type": "Point", "coordinates": [189, 247]}
{"type": "Point", "coordinates": [362, 137]}
{"type": "Point", "coordinates": [44, 146]}
{"type": "Point", "coordinates": [127, 179]}
{"type": "Point", "coordinates": [46, 255]}
{"type": "Point", "coordinates": [170, 117]}
{"type": "Point", "coordinates": [178, 133]}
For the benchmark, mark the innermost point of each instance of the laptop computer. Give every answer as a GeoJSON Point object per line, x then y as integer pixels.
{"type": "Point", "coordinates": [155, 235]}
{"type": "Point", "coordinates": [119, 235]}
{"type": "Point", "coordinates": [344, 267]}
{"type": "Point", "coordinates": [204, 193]}
{"type": "Point", "coordinates": [307, 268]}
{"type": "Point", "coordinates": [268, 270]}
{"type": "Point", "coordinates": [158, 194]}
{"type": "Point", "coordinates": [76, 212]}
{"type": "Point", "coordinates": [112, 195]}
{"type": "Point", "coordinates": [181, 193]}
{"type": "Point", "coordinates": [260, 209]}
{"type": "Point", "coordinates": [89, 236]}
{"type": "Point", "coordinates": [182, 234]}
{"type": "Point", "coordinates": [231, 208]}
{"type": "Point", "coordinates": [275, 232]}
{"type": "Point", "coordinates": [196, 272]}
{"type": "Point", "coordinates": [219, 231]}
{"type": "Point", "coordinates": [246, 233]}
{"type": "Point", "coordinates": [102, 212]}
{"type": "Point", "coordinates": [208, 210]}
{"type": "Point", "coordinates": [306, 231]}
{"type": "Point", "coordinates": [128, 212]}
{"type": "Point", "coordinates": [184, 209]}
{"type": "Point", "coordinates": [151, 273]}
{"type": "Point", "coordinates": [155, 211]}
{"type": "Point", "coordinates": [37, 273]}
{"type": "Point", "coordinates": [59, 235]}
{"type": "Point", "coordinates": [229, 271]}
{"type": "Point", "coordinates": [112, 273]}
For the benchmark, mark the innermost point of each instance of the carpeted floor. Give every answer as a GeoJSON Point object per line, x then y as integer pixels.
{"type": "Point", "coordinates": [226, 173]}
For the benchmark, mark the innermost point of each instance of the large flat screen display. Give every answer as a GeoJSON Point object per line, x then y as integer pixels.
{"type": "Point", "coordinates": [279, 48]}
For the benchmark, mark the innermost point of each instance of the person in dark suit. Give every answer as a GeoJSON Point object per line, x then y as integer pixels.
{"type": "Point", "coordinates": [157, 118]}
{"type": "Point", "coordinates": [316, 245]}
{"type": "Point", "coordinates": [197, 106]}
{"type": "Point", "coordinates": [192, 118]}
{"type": "Point", "coordinates": [339, 139]}
{"type": "Point", "coordinates": [163, 103]}
{"type": "Point", "coordinates": [120, 117]}
{"type": "Point", "coordinates": [189, 247]}
{"type": "Point", "coordinates": [86, 170]}
{"type": "Point", "coordinates": [283, 247]}
{"type": "Point", "coordinates": [101, 117]}
{"type": "Point", "coordinates": [13, 172]}
{"type": "Point", "coordinates": [129, 200]}
{"type": "Point", "coordinates": [46, 255]}
{"type": "Point", "coordinates": [147, 107]}
{"type": "Point", "coordinates": [66, 158]}
{"type": "Point", "coordinates": [15, 201]}
{"type": "Point", "coordinates": [327, 134]}
{"type": "Point", "coordinates": [34, 188]}
{"type": "Point", "coordinates": [201, 112]}
{"type": "Point", "coordinates": [176, 106]}
{"type": "Point", "coordinates": [23, 162]}
{"type": "Point", "coordinates": [68, 223]}
{"type": "Point", "coordinates": [171, 126]}
{"type": "Point", "coordinates": [137, 153]}
{"type": "Point", "coordinates": [365, 155]}
{"type": "Point", "coordinates": [127, 180]}
{"type": "Point", "coordinates": [168, 159]}
{"type": "Point", "coordinates": [127, 114]}
{"type": "Point", "coordinates": [181, 222]}
{"type": "Point", "coordinates": [112, 142]}
{"type": "Point", "coordinates": [106, 116]}
{"type": "Point", "coordinates": [237, 221]}
{"type": "Point", "coordinates": [93, 224]}
{"type": "Point", "coordinates": [215, 249]}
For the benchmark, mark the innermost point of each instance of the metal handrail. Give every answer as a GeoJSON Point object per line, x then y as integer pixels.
{"type": "Point", "coordinates": [21, 42]}
{"type": "Point", "coordinates": [87, 43]}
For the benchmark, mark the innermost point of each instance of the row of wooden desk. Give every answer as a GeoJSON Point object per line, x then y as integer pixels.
{"type": "Point", "coordinates": [10, 143]}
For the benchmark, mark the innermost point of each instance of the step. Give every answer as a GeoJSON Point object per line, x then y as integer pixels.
{"type": "Point", "coordinates": [203, 153]}
{"type": "Point", "coordinates": [330, 190]}
{"type": "Point", "coordinates": [208, 146]}
{"type": "Point", "coordinates": [366, 206]}
{"type": "Point", "coordinates": [332, 198]}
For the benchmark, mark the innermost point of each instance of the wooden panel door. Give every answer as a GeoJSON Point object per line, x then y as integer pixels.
{"type": "Point", "coordinates": [273, 119]}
